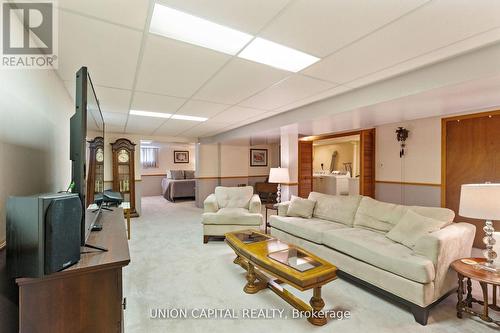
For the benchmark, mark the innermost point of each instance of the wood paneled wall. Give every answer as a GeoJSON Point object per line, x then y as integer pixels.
{"type": "Point", "coordinates": [305, 168]}
{"type": "Point", "coordinates": [470, 154]}
{"type": "Point", "coordinates": [367, 167]}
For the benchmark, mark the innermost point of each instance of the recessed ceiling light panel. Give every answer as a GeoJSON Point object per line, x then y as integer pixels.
{"type": "Point", "coordinates": [188, 28]}
{"type": "Point", "coordinates": [192, 118]}
{"type": "Point", "coordinates": [276, 55]}
{"type": "Point", "coordinates": [150, 114]}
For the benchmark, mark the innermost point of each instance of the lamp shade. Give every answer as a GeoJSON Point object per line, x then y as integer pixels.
{"type": "Point", "coordinates": [279, 175]}
{"type": "Point", "coordinates": [480, 201]}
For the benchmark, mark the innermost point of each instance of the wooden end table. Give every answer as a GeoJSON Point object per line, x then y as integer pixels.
{"type": "Point", "coordinates": [270, 206]}
{"type": "Point", "coordinates": [484, 278]}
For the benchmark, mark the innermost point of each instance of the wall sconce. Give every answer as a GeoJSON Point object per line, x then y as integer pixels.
{"type": "Point", "coordinates": [402, 135]}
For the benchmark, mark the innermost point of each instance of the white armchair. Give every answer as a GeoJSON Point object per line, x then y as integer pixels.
{"type": "Point", "coordinates": [230, 209]}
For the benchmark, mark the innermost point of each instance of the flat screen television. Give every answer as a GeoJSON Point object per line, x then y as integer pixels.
{"type": "Point", "coordinates": [86, 124]}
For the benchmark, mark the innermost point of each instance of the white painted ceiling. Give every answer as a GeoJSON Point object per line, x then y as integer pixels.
{"type": "Point", "coordinates": [359, 42]}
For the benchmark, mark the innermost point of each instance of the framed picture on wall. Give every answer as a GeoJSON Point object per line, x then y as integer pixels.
{"type": "Point", "coordinates": [181, 156]}
{"type": "Point", "coordinates": [258, 157]}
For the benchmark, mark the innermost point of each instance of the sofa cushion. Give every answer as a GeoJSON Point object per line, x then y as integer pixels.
{"type": "Point", "coordinates": [234, 216]}
{"type": "Point", "coordinates": [300, 207]}
{"type": "Point", "coordinates": [377, 215]}
{"type": "Point", "coordinates": [335, 208]}
{"type": "Point", "coordinates": [413, 226]}
{"type": "Point", "coordinates": [233, 197]}
{"type": "Point", "coordinates": [309, 229]}
{"type": "Point", "coordinates": [377, 250]}
{"type": "Point", "coordinates": [382, 216]}
{"type": "Point", "coordinates": [442, 214]}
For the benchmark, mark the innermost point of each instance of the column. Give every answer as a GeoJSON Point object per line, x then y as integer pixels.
{"type": "Point", "coordinates": [289, 158]}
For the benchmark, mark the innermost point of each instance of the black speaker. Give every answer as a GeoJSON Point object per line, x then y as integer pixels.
{"type": "Point", "coordinates": [43, 233]}
{"type": "Point", "coordinates": [62, 234]}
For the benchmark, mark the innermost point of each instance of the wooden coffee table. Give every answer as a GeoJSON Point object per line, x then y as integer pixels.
{"type": "Point", "coordinates": [269, 262]}
{"type": "Point", "coordinates": [484, 278]}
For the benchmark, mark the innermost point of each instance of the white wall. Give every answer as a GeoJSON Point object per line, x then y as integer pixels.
{"type": "Point", "coordinates": [166, 159]}
{"type": "Point", "coordinates": [422, 160]}
{"type": "Point", "coordinates": [215, 162]}
{"type": "Point", "coordinates": [34, 135]}
{"type": "Point", "coordinates": [221, 160]}
{"type": "Point", "coordinates": [208, 160]}
{"type": "Point", "coordinates": [273, 160]}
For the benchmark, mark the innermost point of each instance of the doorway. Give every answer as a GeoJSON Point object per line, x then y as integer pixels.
{"type": "Point", "coordinates": [338, 164]}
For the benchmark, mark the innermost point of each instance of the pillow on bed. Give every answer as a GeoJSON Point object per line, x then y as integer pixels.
{"type": "Point", "coordinates": [175, 174]}
{"type": "Point", "coordinates": [189, 174]}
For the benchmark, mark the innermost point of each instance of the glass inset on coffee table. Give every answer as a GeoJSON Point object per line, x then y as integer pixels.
{"type": "Point", "coordinates": [295, 258]}
{"type": "Point", "coordinates": [270, 262]}
{"type": "Point", "coordinates": [249, 237]}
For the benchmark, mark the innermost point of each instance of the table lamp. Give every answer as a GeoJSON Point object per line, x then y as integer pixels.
{"type": "Point", "coordinates": [279, 176]}
{"type": "Point", "coordinates": [482, 201]}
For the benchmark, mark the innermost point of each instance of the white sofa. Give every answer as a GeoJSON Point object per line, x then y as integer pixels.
{"type": "Point", "coordinates": [350, 232]}
{"type": "Point", "coordinates": [230, 209]}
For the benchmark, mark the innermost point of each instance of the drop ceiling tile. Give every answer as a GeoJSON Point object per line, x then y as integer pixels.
{"type": "Point", "coordinates": [174, 127]}
{"type": "Point", "coordinates": [292, 89]}
{"type": "Point", "coordinates": [236, 114]}
{"type": "Point", "coordinates": [337, 90]}
{"type": "Point", "coordinates": [433, 26]}
{"type": "Point", "coordinates": [239, 80]}
{"type": "Point", "coordinates": [175, 68]}
{"type": "Point", "coordinates": [114, 122]}
{"type": "Point", "coordinates": [114, 129]}
{"type": "Point", "coordinates": [143, 125]}
{"type": "Point", "coordinates": [320, 27]}
{"type": "Point", "coordinates": [469, 44]}
{"type": "Point", "coordinates": [110, 99]}
{"type": "Point", "coordinates": [110, 52]}
{"type": "Point", "coordinates": [243, 15]}
{"type": "Point", "coordinates": [201, 109]}
{"type": "Point", "coordinates": [113, 100]}
{"type": "Point", "coordinates": [258, 117]}
{"type": "Point", "coordinates": [156, 103]}
{"type": "Point", "coordinates": [203, 128]}
{"type": "Point", "coordinates": [131, 13]}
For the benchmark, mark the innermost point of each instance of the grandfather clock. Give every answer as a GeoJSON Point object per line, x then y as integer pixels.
{"type": "Point", "coordinates": [124, 171]}
{"type": "Point", "coordinates": [95, 176]}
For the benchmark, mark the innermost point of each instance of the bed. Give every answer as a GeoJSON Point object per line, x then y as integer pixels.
{"type": "Point", "coordinates": [176, 186]}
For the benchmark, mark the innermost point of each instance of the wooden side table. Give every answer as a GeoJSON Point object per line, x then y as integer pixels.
{"type": "Point", "coordinates": [126, 210]}
{"type": "Point", "coordinates": [270, 206]}
{"type": "Point", "coordinates": [484, 278]}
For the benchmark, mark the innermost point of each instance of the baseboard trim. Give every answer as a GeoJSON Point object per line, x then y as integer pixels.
{"type": "Point", "coordinates": [3, 244]}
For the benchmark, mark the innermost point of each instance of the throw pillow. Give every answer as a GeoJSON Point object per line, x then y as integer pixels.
{"type": "Point", "coordinates": [412, 226]}
{"type": "Point", "coordinates": [300, 207]}
{"type": "Point", "coordinates": [189, 174]}
{"type": "Point", "coordinates": [175, 174]}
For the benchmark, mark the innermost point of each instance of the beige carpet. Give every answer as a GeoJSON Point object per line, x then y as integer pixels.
{"type": "Point", "coordinates": [171, 268]}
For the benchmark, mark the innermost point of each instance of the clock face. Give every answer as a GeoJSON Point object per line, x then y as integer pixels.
{"type": "Point", "coordinates": [99, 155]}
{"type": "Point", "coordinates": [123, 156]}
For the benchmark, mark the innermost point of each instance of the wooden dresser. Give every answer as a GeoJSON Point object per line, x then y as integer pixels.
{"type": "Point", "coordinates": [86, 297]}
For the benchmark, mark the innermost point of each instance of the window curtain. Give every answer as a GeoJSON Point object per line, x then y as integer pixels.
{"type": "Point", "coordinates": [149, 157]}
